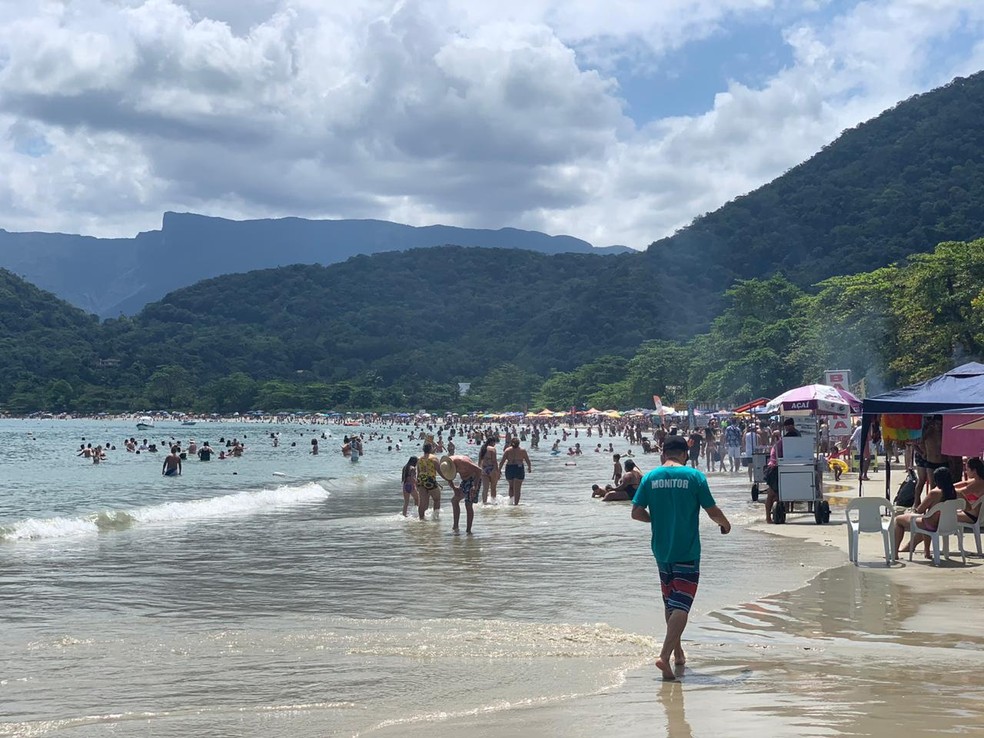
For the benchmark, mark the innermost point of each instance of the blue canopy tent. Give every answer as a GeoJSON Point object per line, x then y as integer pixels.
{"type": "Point", "coordinates": [959, 391]}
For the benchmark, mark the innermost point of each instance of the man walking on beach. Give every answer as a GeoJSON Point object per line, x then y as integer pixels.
{"type": "Point", "coordinates": [669, 499]}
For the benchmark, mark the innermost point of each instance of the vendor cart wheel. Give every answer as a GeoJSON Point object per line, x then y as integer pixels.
{"type": "Point", "coordinates": [825, 509]}
{"type": "Point", "coordinates": [779, 513]}
{"type": "Point", "coordinates": [818, 513]}
{"type": "Point", "coordinates": [755, 492]}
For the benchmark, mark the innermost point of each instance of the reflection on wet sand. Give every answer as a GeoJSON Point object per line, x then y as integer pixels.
{"type": "Point", "coordinates": [854, 653]}
{"type": "Point", "coordinates": [842, 652]}
{"type": "Point", "coordinates": [671, 697]}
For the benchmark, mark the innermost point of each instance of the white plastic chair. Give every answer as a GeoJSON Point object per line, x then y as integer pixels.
{"type": "Point", "coordinates": [870, 520]}
{"type": "Point", "coordinates": [948, 525]}
{"type": "Point", "coordinates": [975, 528]}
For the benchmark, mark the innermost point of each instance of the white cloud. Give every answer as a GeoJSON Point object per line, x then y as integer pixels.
{"type": "Point", "coordinates": [485, 114]}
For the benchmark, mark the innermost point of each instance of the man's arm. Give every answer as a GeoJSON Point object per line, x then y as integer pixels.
{"type": "Point", "coordinates": [641, 514]}
{"type": "Point", "coordinates": [529, 464]}
{"type": "Point", "coordinates": [715, 514]}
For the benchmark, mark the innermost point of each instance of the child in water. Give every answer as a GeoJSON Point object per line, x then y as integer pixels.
{"type": "Point", "coordinates": [409, 481]}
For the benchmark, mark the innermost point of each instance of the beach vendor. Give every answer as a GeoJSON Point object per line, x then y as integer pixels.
{"type": "Point", "coordinates": [772, 468]}
{"type": "Point", "coordinates": [670, 498]}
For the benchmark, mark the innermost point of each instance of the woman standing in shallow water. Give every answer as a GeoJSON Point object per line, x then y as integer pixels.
{"type": "Point", "coordinates": [513, 459]}
{"type": "Point", "coordinates": [487, 459]}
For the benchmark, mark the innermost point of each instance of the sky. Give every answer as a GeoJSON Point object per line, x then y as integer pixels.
{"type": "Point", "coordinates": [618, 122]}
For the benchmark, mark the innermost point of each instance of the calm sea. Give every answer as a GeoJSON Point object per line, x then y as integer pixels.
{"type": "Point", "coordinates": [283, 593]}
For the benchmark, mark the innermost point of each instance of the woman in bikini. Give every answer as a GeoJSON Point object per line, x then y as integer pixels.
{"type": "Point", "coordinates": [427, 486]}
{"type": "Point", "coordinates": [944, 490]}
{"type": "Point", "coordinates": [489, 462]}
{"type": "Point", "coordinates": [972, 490]}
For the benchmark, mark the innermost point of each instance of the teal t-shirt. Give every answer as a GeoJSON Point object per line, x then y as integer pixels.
{"type": "Point", "coordinates": [674, 496]}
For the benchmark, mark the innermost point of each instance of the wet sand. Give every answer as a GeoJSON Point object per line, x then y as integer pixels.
{"type": "Point", "coordinates": [865, 650]}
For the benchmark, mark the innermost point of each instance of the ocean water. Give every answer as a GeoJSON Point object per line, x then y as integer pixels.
{"type": "Point", "coordinates": [284, 594]}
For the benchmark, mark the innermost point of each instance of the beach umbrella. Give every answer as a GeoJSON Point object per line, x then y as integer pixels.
{"type": "Point", "coordinates": [851, 400]}
{"type": "Point", "coordinates": [820, 399]}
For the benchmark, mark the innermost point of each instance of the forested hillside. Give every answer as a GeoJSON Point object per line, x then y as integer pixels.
{"type": "Point", "coordinates": [443, 314]}
{"type": "Point", "coordinates": [896, 185]}
{"type": "Point", "coordinates": [46, 346]}
{"type": "Point", "coordinates": [122, 275]}
{"type": "Point", "coordinates": [808, 272]}
{"type": "Point", "coordinates": [291, 340]}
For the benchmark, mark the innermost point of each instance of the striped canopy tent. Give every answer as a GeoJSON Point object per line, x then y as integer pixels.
{"type": "Point", "coordinates": [545, 413]}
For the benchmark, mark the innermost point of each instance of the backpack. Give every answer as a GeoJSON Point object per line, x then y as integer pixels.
{"type": "Point", "coordinates": [906, 496]}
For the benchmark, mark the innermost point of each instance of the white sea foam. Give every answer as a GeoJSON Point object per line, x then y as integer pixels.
{"type": "Point", "coordinates": [239, 503]}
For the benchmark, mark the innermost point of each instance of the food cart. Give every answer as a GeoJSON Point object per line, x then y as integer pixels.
{"type": "Point", "coordinates": [800, 474]}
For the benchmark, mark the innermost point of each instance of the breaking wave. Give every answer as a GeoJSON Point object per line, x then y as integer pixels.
{"type": "Point", "coordinates": [238, 503]}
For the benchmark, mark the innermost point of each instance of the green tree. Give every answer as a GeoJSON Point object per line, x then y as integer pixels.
{"type": "Point", "coordinates": [506, 387]}
{"type": "Point", "coordinates": [235, 393]}
{"type": "Point", "coordinates": [169, 387]}
{"type": "Point", "coordinates": [60, 395]}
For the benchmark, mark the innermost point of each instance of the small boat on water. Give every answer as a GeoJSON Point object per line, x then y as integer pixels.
{"type": "Point", "coordinates": [145, 423]}
{"type": "Point", "coordinates": [188, 422]}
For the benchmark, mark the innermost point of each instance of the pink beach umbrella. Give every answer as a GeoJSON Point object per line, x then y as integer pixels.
{"type": "Point", "coordinates": [851, 400]}
{"type": "Point", "coordinates": [819, 399]}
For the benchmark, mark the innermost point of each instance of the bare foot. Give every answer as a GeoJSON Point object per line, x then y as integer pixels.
{"type": "Point", "coordinates": [668, 675]}
{"type": "Point", "coordinates": [681, 658]}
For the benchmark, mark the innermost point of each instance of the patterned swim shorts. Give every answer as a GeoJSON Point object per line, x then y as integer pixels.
{"type": "Point", "coordinates": [679, 584]}
{"type": "Point", "coordinates": [470, 491]}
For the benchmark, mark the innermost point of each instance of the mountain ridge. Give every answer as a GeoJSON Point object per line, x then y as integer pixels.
{"type": "Point", "coordinates": [122, 275]}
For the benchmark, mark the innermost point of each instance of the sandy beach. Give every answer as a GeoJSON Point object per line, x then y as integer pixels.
{"type": "Point", "coordinates": [864, 650]}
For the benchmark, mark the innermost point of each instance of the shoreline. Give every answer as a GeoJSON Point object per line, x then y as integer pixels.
{"type": "Point", "coordinates": [633, 684]}
{"type": "Point", "coordinates": [720, 680]}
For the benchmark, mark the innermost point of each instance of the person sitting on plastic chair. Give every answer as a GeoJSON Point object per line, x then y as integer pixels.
{"type": "Point", "coordinates": [971, 490]}
{"type": "Point", "coordinates": [944, 490]}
